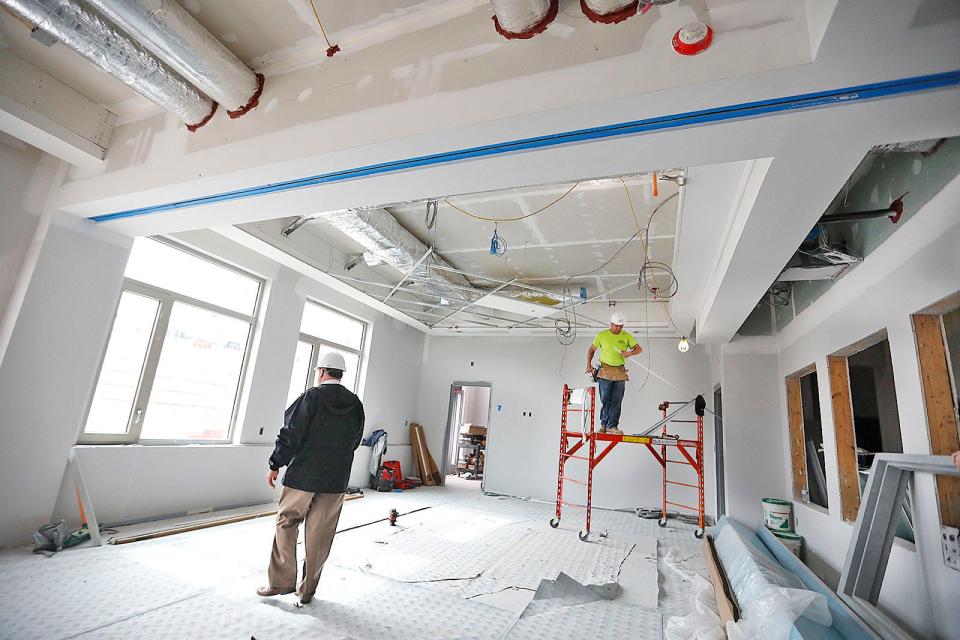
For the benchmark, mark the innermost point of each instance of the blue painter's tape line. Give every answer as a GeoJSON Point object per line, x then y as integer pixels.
{"type": "Point", "coordinates": [661, 123]}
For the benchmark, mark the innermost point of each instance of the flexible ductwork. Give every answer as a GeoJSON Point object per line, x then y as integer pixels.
{"type": "Point", "coordinates": [609, 11]}
{"type": "Point", "coordinates": [523, 18]}
{"type": "Point", "coordinates": [168, 31]}
{"type": "Point", "coordinates": [106, 46]}
{"type": "Point", "coordinates": [383, 237]}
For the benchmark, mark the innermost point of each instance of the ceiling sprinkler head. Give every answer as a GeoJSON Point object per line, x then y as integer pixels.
{"type": "Point", "coordinates": [692, 39]}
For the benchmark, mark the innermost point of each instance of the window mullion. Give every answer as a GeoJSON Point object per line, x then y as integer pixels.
{"type": "Point", "coordinates": [139, 413]}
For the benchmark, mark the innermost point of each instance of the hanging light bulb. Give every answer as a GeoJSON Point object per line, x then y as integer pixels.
{"type": "Point", "coordinates": [684, 345]}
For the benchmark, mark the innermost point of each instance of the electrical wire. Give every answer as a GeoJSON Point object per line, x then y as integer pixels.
{"type": "Point", "coordinates": [565, 328]}
{"type": "Point", "coordinates": [516, 218]}
{"type": "Point", "coordinates": [331, 48]}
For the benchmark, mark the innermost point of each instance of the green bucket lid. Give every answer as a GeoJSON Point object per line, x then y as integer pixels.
{"type": "Point", "coordinates": [776, 501]}
{"type": "Point", "coordinates": [787, 535]}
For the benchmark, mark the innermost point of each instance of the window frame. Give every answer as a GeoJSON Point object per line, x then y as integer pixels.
{"type": "Point", "coordinates": [317, 342]}
{"type": "Point", "coordinates": [940, 398]}
{"type": "Point", "coordinates": [166, 300]}
{"type": "Point", "coordinates": [844, 427]}
{"type": "Point", "coordinates": [796, 431]}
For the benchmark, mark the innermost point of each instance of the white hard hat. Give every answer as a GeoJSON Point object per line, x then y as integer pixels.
{"type": "Point", "coordinates": [331, 360]}
{"type": "Point", "coordinates": [618, 318]}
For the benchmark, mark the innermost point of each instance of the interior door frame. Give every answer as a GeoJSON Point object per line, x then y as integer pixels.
{"type": "Point", "coordinates": [718, 449]}
{"type": "Point", "coordinates": [447, 444]}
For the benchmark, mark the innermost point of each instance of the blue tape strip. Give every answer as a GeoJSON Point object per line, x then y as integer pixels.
{"type": "Point", "coordinates": [661, 123]}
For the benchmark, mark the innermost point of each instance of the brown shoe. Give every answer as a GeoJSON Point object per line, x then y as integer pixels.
{"type": "Point", "coordinates": [306, 600]}
{"type": "Point", "coordinates": [614, 431]}
{"type": "Point", "coordinates": [266, 592]}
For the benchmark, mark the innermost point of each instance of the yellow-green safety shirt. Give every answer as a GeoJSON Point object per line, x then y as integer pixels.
{"type": "Point", "coordinates": [611, 345]}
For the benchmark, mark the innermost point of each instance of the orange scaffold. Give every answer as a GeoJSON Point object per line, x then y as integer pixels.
{"type": "Point", "coordinates": [573, 443]}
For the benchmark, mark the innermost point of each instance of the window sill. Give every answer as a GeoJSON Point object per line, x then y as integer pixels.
{"type": "Point", "coordinates": [812, 506]}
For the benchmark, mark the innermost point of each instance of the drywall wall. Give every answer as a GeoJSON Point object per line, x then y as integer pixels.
{"type": "Point", "coordinates": [527, 376]}
{"type": "Point", "coordinates": [754, 445]}
{"type": "Point", "coordinates": [50, 365]}
{"type": "Point", "coordinates": [916, 267]}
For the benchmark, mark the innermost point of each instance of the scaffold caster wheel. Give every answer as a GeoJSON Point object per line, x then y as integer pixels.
{"type": "Point", "coordinates": [554, 522]}
{"type": "Point", "coordinates": [698, 533]}
{"type": "Point", "coordinates": [584, 534]}
{"type": "Point", "coordinates": [662, 522]}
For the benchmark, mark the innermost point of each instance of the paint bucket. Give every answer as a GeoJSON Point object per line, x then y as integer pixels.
{"type": "Point", "coordinates": [791, 541]}
{"type": "Point", "coordinates": [777, 514]}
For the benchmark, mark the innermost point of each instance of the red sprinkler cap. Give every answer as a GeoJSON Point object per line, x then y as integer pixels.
{"type": "Point", "coordinates": [692, 39]}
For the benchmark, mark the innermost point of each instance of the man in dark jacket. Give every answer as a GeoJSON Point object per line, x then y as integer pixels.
{"type": "Point", "coordinates": [320, 433]}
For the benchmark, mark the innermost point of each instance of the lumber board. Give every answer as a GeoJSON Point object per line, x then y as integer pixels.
{"type": "Point", "coordinates": [845, 436]}
{"type": "Point", "coordinates": [941, 413]}
{"type": "Point", "coordinates": [726, 603]}
{"type": "Point", "coordinates": [797, 453]}
{"type": "Point", "coordinates": [205, 524]}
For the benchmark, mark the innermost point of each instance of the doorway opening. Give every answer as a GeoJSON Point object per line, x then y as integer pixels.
{"type": "Point", "coordinates": [465, 449]}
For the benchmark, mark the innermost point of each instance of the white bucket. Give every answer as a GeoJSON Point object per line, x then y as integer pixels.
{"type": "Point", "coordinates": [791, 541]}
{"type": "Point", "coordinates": [777, 514]}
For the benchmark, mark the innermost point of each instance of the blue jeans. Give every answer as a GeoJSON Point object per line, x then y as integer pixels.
{"type": "Point", "coordinates": [611, 395]}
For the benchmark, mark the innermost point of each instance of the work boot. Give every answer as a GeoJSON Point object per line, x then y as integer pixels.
{"type": "Point", "coordinates": [266, 592]}
{"type": "Point", "coordinates": [613, 431]}
{"type": "Point", "coordinates": [602, 429]}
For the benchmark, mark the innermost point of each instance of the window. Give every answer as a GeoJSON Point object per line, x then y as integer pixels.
{"type": "Point", "coordinates": [865, 419]}
{"type": "Point", "coordinates": [173, 366]}
{"type": "Point", "coordinates": [937, 333]}
{"type": "Point", "coordinates": [323, 329]}
{"type": "Point", "coordinates": [806, 438]}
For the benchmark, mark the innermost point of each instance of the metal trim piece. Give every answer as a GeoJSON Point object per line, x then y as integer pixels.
{"type": "Point", "coordinates": [874, 531]}
{"type": "Point", "coordinates": [676, 121]}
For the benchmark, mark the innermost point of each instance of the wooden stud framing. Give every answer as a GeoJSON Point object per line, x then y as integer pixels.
{"type": "Point", "coordinates": [845, 435]}
{"type": "Point", "coordinates": [941, 412]}
{"type": "Point", "coordinates": [797, 453]}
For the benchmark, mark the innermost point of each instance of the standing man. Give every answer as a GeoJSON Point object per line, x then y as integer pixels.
{"type": "Point", "coordinates": [615, 345]}
{"type": "Point", "coordinates": [320, 433]}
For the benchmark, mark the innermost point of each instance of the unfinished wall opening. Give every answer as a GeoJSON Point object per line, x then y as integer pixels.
{"type": "Point", "coordinates": [806, 438]}
{"type": "Point", "coordinates": [866, 420]}
{"type": "Point", "coordinates": [466, 439]}
{"type": "Point", "coordinates": [937, 332]}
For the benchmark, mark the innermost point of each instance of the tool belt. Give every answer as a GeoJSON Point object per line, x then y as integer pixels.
{"type": "Point", "coordinates": [609, 372]}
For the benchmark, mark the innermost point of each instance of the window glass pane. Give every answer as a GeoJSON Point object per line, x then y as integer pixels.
{"type": "Point", "coordinates": [813, 439]}
{"type": "Point", "coordinates": [168, 268]}
{"type": "Point", "coordinates": [198, 376]}
{"type": "Point", "coordinates": [352, 361]}
{"type": "Point", "coordinates": [301, 367]}
{"type": "Point", "coordinates": [122, 365]}
{"type": "Point", "coordinates": [327, 324]}
{"type": "Point", "coordinates": [951, 328]}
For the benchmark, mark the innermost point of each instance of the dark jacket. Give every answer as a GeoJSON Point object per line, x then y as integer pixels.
{"type": "Point", "coordinates": [322, 428]}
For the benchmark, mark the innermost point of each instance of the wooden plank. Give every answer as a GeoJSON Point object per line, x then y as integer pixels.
{"type": "Point", "coordinates": [941, 412]}
{"type": "Point", "coordinates": [797, 455]}
{"type": "Point", "coordinates": [726, 604]}
{"type": "Point", "coordinates": [846, 436]}
{"type": "Point", "coordinates": [205, 524]}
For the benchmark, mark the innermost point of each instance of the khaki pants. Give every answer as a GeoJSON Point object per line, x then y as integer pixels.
{"type": "Point", "coordinates": [319, 512]}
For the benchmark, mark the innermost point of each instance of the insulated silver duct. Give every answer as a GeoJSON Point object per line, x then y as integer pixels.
{"type": "Point", "coordinates": [168, 31]}
{"type": "Point", "coordinates": [106, 46]}
{"type": "Point", "coordinates": [519, 18]}
{"type": "Point", "coordinates": [383, 237]}
{"type": "Point", "coordinates": [603, 7]}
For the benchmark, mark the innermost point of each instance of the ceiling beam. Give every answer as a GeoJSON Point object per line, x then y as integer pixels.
{"type": "Point", "coordinates": [46, 113]}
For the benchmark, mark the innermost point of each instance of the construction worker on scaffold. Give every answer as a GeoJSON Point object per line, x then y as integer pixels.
{"type": "Point", "coordinates": [615, 346]}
